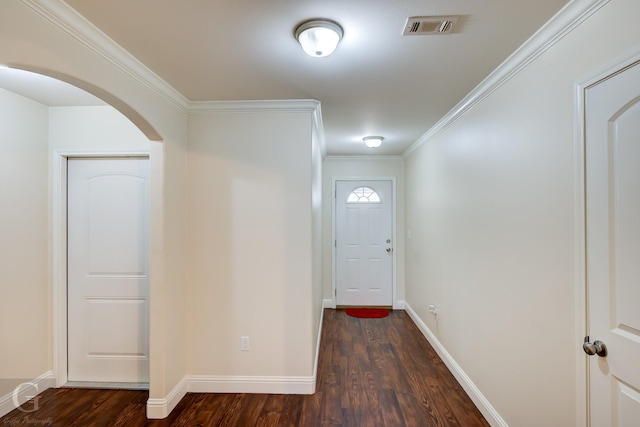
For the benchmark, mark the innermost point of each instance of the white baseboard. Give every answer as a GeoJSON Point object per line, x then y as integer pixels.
{"type": "Point", "coordinates": [399, 305]}
{"type": "Point", "coordinates": [26, 391]}
{"type": "Point", "coordinates": [247, 384]}
{"type": "Point", "coordinates": [469, 387]}
{"type": "Point", "coordinates": [329, 303]}
{"type": "Point", "coordinates": [161, 408]}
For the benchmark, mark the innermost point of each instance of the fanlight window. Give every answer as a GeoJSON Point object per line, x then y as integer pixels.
{"type": "Point", "coordinates": [363, 195]}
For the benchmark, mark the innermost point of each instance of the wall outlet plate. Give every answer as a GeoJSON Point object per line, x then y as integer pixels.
{"type": "Point", "coordinates": [244, 344]}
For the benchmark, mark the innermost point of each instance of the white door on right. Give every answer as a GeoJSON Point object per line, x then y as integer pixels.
{"type": "Point", "coordinates": [364, 247]}
{"type": "Point", "coordinates": [613, 247]}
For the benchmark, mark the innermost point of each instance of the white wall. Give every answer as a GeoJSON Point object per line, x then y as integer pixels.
{"type": "Point", "coordinates": [95, 128]}
{"type": "Point", "coordinates": [250, 244]}
{"type": "Point", "coordinates": [357, 167]}
{"type": "Point", "coordinates": [25, 339]}
{"type": "Point", "coordinates": [490, 207]}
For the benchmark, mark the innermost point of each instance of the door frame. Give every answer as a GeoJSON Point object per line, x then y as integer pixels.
{"type": "Point", "coordinates": [334, 262]}
{"type": "Point", "coordinates": [581, 290]}
{"type": "Point", "coordinates": [59, 161]}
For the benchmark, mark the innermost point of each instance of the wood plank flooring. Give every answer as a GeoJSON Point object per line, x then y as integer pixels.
{"type": "Point", "coordinates": [372, 372]}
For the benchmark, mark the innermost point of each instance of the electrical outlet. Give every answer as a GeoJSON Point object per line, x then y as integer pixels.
{"type": "Point", "coordinates": [433, 309]}
{"type": "Point", "coordinates": [244, 343]}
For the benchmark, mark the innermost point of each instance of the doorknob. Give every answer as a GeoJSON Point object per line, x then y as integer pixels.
{"type": "Point", "coordinates": [388, 250]}
{"type": "Point", "coordinates": [596, 347]}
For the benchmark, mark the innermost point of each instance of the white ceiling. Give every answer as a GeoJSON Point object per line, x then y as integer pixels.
{"type": "Point", "coordinates": [377, 82]}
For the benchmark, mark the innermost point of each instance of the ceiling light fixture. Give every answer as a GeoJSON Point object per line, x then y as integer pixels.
{"type": "Point", "coordinates": [373, 141]}
{"type": "Point", "coordinates": [319, 37]}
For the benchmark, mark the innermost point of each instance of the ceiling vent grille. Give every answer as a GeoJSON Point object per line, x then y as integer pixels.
{"type": "Point", "coordinates": [429, 25]}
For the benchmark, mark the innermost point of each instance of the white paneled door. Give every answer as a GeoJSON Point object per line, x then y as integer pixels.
{"type": "Point", "coordinates": [613, 248]}
{"type": "Point", "coordinates": [108, 280]}
{"type": "Point", "coordinates": [364, 246]}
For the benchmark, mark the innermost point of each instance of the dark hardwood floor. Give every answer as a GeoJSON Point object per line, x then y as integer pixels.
{"type": "Point", "coordinates": [372, 372]}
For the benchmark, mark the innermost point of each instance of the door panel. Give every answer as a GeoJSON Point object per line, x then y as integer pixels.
{"type": "Point", "coordinates": [109, 315]}
{"type": "Point", "coordinates": [613, 246]}
{"type": "Point", "coordinates": [364, 275]}
{"type": "Point", "coordinates": [108, 284]}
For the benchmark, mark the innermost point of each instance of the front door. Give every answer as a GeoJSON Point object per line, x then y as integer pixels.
{"type": "Point", "coordinates": [364, 247]}
{"type": "Point", "coordinates": [108, 281]}
{"type": "Point", "coordinates": [612, 167]}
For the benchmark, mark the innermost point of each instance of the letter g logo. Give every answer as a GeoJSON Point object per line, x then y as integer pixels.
{"type": "Point", "coordinates": [23, 389]}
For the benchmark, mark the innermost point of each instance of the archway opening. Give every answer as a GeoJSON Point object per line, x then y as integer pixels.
{"type": "Point", "coordinates": [50, 87]}
{"type": "Point", "coordinates": [41, 114]}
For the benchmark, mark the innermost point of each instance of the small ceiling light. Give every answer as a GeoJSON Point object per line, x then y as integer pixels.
{"type": "Point", "coordinates": [319, 37]}
{"type": "Point", "coordinates": [373, 141]}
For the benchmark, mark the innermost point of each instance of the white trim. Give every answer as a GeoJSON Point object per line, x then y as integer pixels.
{"type": "Point", "coordinates": [399, 305]}
{"type": "Point", "coordinates": [107, 385]}
{"type": "Point", "coordinates": [351, 158]}
{"type": "Point", "coordinates": [580, 282]}
{"type": "Point", "coordinates": [318, 126]}
{"type": "Point", "coordinates": [59, 265]}
{"type": "Point", "coordinates": [281, 105]}
{"type": "Point", "coordinates": [394, 214]}
{"type": "Point", "coordinates": [24, 392]}
{"type": "Point", "coordinates": [607, 70]}
{"type": "Point", "coordinates": [492, 416]}
{"type": "Point", "coordinates": [250, 384]}
{"type": "Point", "coordinates": [161, 408]}
{"type": "Point", "coordinates": [292, 105]}
{"type": "Point", "coordinates": [59, 249]}
{"type": "Point", "coordinates": [568, 18]}
{"type": "Point", "coordinates": [580, 285]}
{"type": "Point", "coordinates": [77, 26]}
{"type": "Point", "coordinates": [67, 19]}
{"type": "Point", "coordinates": [329, 303]}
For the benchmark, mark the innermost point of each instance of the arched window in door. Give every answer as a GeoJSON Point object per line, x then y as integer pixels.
{"type": "Point", "coordinates": [363, 195]}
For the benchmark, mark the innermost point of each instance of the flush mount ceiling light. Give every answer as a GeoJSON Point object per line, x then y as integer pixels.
{"type": "Point", "coordinates": [319, 37]}
{"type": "Point", "coordinates": [373, 141]}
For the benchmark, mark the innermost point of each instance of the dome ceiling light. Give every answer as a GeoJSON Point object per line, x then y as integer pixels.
{"type": "Point", "coordinates": [319, 37]}
{"type": "Point", "coordinates": [373, 141]}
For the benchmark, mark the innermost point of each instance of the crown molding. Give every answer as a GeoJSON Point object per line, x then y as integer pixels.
{"type": "Point", "coordinates": [67, 19]}
{"type": "Point", "coordinates": [280, 105]}
{"type": "Point", "coordinates": [364, 157]}
{"type": "Point", "coordinates": [565, 21]}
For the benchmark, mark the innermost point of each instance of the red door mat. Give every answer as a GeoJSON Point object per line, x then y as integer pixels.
{"type": "Point", "coordinates": [367, 313]}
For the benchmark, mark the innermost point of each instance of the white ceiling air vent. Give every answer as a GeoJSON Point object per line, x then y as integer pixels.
{"type": "Point", "coordinates": [429, 25]}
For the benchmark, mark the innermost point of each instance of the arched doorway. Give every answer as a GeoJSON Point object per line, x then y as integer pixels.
{"type": "Point", "coordinates": [44, 134]}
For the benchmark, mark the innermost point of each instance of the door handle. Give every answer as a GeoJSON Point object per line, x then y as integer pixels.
{"type": "Point", "coordinates": [388, 250]}
{"type": "Point", "coordinates": [596, 347]}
